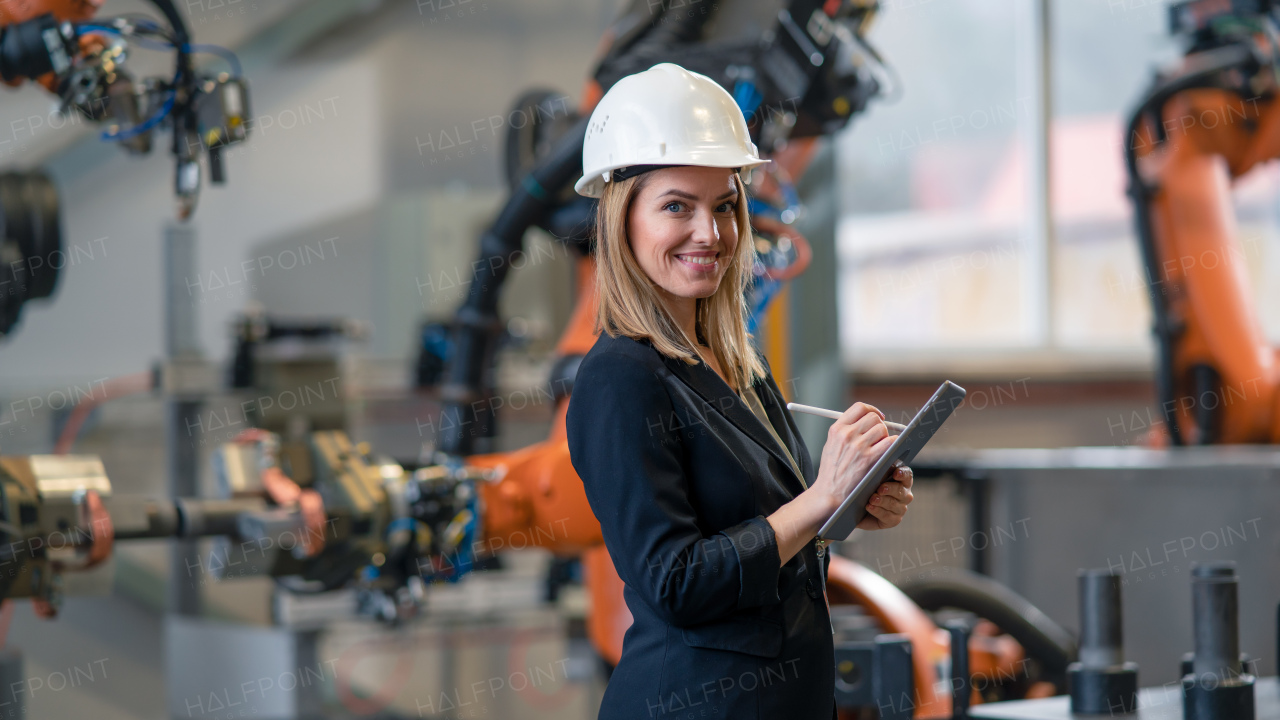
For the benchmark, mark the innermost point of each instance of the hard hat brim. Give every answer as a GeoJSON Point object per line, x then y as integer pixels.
{"type": "Point", "coordinates": [592, 184]}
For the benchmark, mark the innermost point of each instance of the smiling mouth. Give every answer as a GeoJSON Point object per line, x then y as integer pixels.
{"type": "Point", "coordinates": [700, 260]}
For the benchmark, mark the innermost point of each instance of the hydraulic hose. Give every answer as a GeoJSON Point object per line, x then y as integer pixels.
{"type": "Point", "coordinates": [1042, 638]}
{"type": "Point", "coordinates": [466, 416]}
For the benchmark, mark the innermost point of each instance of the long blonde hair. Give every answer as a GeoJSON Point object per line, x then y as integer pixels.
{"type": "Point", "coordinates": [628, 303]}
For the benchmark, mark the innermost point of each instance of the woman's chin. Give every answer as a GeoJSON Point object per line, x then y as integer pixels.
{"type": "Point", "coordinates": [697, 291]}
{"type": "Point", "coordinates": [696, 288]}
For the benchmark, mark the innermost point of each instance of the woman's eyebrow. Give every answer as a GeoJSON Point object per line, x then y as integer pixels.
{"type": "Point", "coordinates": [688, 196]}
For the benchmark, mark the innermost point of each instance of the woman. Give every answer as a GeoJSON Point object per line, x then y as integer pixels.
{"type": "Point", "coordinates": [706, 495]}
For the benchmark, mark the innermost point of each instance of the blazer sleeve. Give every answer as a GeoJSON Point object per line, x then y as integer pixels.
{"type": "Point", "coordinates": [630, 464]}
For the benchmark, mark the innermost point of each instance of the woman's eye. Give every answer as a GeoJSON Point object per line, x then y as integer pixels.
{"type": "Point", "coordinates": [672, 206]}
{"type": "Point", "coordinates": [727, 207]}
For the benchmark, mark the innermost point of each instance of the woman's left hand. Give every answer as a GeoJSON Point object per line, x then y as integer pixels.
{"type": "Point", "coordinates": [889, 503]}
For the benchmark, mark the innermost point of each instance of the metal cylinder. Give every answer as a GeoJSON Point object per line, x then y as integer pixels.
{"type": "Point", "coordinates": [201, 517]}
{"type": "Point", "coordinates": [1215, 612]}
{"type": "Point", "coordinates": [138, 516]}
{"type": "Point", "coordinates": [1101, 634]}
{"type": "Point", "coordinates": [1101, 682]}
{"type": "Point", "coordinates": [1205, 698]}
{"type": "Point", "coordinates": [135, 516]}
{"type": "Point", "coordinates": [961, 680]}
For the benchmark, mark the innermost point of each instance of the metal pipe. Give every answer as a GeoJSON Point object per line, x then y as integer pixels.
{"type": "Point", "coordinates": [202, 517]}
{"type": "Point", "coordinates": [182, 342]}
{"type": "Point", "coordinates": [960, 680]}
{"type": "Point", "coordinates": [1215, 611]}
{"type": "Point", "coordinates": [136, 517]}
{"type": "Point", "coordinates": [1101, 632]}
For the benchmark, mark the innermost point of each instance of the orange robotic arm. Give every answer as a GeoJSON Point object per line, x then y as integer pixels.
{"type": "Point", "coordinates": [1212, 122]}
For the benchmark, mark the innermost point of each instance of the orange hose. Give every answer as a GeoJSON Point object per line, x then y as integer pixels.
{"type": "Point", "coordinates": [111, 389]}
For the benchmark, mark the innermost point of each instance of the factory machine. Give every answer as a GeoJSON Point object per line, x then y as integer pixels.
{"type": "Point", "coordinates": [81, 60]}
{"type": "Point", "coordinates": [302, 503]}
{"type": "Point", "coordinates": [320, 512]}
{"type": "Point", "coordinates": [1197, 507]}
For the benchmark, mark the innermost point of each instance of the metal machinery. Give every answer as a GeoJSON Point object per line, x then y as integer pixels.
{"type": "Point", "coordinates": [81, 60]}
{"type": "Point", "coordinates": [799, 70]}
{"type": "Point", "coordinates": [301, 356]}
{"type": "Point", "coordinates": [321, 512]}
{"type": "Point", "coordinates": [1139, 502]}
{"type": "Point", "coordinates": [1180, 166]}
{"type": "Point", "coordinates": [1192, 508]}
{"type": "Point", "coordinates": [1216, 680]}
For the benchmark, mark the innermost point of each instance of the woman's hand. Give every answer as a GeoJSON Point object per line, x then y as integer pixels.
{"type": "Point", "coordinates": [887, 507]}
{"type": "Point", "coordinates": [854, 443]}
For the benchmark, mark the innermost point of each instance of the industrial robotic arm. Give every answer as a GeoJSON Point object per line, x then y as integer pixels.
{"type": "Point", "coordinates": [329, 513]}
{"type": "Point", "coordinates": [81, 60]}
{"type": "Point", "coordinates": [1202, 125]}
{"type": "Point", "coordinates": [798, 70]}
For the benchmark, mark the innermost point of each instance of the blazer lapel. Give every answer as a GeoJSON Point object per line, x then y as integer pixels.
{"type": "Point", "coordinates": [721, 397]}
{"type": "Point", "coordinates": [790, 434]}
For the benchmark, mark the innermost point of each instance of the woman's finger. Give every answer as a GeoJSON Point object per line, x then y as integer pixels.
{"type": "Point", "coordinates": [872, 432]}
{"type": "Point", "coordinates": [889, 504]}
{"type": "Point", "coordinates": [897, 490]}
{"type": "Point", "coordinates": [904, 475]}
{"type": "Point", "coordinates": [867, 422]}
{"type": "Point", "coordinates": [881, 446]}
{"type": "Point", "coordinates": [870, 522]}
{"type": "Point", "coordinates": [892, 488]}
{"type": "Point", "coordinates": [857, 410]}
{"type": "Point", "coordinates": [872, 519]}
{"type": "Point", "coordinates": [883, 519]}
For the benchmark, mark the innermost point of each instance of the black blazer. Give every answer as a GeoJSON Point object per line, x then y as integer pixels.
{"type": "Point", "coordinates": [681, 475]}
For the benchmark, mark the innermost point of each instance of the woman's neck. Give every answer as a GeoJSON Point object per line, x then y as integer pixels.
{"type": "Point", "coordinates": [685, 313]}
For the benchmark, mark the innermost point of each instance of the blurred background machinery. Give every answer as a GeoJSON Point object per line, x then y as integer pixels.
{"type": "Point", "coordinates": [81, 59]}
{"type": "Point", "coordinates": [367, 506]}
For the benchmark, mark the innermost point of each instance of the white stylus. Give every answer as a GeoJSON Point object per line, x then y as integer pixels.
{"type": "Point", "coordinates": [833, 415]}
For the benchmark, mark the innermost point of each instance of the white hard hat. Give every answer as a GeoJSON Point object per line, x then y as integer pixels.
{"type": "Point", "coordinates": [665, 115]}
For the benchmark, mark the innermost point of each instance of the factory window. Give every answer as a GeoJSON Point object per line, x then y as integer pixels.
{"type": "Point", "coordinates": [930, 231]}
{"type": "Point", "coordinates": [944, 250]}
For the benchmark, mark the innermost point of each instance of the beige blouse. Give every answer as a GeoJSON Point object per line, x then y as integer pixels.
{"type": "Point", "coordinates": [753, 401]}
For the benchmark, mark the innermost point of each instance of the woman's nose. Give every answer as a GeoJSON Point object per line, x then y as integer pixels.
{"type": "Point", "coordinates": [706, 229]}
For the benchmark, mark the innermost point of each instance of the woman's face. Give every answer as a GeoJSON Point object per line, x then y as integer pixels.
{"type": "Point", "coordinates": [683, 228]}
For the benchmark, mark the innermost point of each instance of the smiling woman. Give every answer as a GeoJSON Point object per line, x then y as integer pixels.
{"type": "Point", "coordinates": [707, 498]}
{"type": "Point", "coordinates": [678, 239]}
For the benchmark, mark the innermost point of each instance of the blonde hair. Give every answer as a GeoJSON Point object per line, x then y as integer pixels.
{"type": "Point", "coordinates": [629, 304]}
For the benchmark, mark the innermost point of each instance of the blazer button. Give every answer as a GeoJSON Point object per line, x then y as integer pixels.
{"type": "Point", "coordinates": [812, 588]}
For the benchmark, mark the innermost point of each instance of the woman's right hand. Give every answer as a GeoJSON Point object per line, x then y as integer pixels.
{"type": "Point", "coordinates": [854, 443]}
